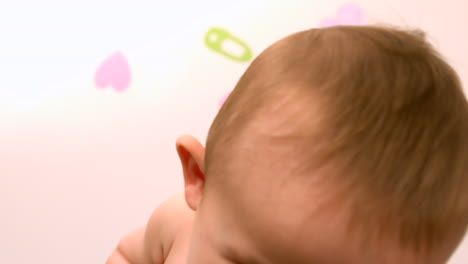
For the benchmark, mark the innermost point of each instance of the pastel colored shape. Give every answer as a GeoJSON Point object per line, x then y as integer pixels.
{"type": "Point", "coordinates": [223, 100]}
{"type": "Point", "coordinates": [348, 14]}
{"type": "Point", "coordinates": [216, 38]}
{"type": "Point", "coordinates": [351, 14]}
{"type": "Point", "coordinates": [114, 72]}
{"type": "Point", "coordinates": [328, 22]}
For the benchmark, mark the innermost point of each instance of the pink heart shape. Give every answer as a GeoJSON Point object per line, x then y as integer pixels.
{"type": "Point", "coordinates": [114, 72]}
{"type": "Point", "coordinates": [348, 14]}
{"type": "Point", "coordinates": [223, 99]}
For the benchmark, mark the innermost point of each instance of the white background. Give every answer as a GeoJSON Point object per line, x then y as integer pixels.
{"type": "Point", "coordinates": [80, 167]}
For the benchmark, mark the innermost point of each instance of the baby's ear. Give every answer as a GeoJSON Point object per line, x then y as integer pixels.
{"type": "Point", "coordinates": [191, 154]}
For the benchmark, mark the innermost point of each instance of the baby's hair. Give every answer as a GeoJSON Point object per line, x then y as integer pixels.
{"type": "Point", "coordinates": [393, 123]}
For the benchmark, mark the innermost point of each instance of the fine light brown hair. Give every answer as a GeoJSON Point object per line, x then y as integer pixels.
{"type": "Point", "coordinates": [394, 122]}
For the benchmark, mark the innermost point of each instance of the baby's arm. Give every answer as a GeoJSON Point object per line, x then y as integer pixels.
{"type": "Point", "coordinates": [151, 243]}
{"type": "Point", "coordinates": [132, 249]}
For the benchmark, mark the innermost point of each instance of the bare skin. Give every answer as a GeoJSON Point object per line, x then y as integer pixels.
{"type": "Point", "coordinates": [243, 227]}
{"type": "Point", "coordinates": [165, 238]}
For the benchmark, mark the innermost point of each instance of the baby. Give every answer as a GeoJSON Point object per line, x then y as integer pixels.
{"type": "Point", "coordinates": [343, 145]}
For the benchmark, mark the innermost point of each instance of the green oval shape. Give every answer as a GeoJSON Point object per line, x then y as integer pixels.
{"type": "Point", "coordinates": [215, 37]}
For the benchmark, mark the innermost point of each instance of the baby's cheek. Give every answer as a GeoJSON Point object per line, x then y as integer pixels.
{"type": "Point", "coordinates": [203, 249]}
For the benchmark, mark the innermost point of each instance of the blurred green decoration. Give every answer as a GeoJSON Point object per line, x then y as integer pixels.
{"type": "Point", "coordinates": [216, 39]}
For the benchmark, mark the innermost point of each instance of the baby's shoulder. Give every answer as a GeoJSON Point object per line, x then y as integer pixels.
{"type": "Point", "coordinates": [166, 223]}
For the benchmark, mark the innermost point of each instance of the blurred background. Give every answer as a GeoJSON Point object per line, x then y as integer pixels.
{"type": "Point", "coordinates": [94, 93]}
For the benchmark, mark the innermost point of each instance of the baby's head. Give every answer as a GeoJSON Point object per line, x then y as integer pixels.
{"type": "Point", "coordinates": [339, 145]}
